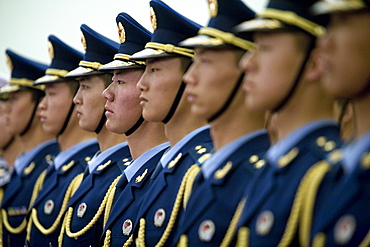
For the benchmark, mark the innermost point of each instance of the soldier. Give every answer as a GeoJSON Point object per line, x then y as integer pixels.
{"type": "Point", "coordinates": [39, 148]}
{"type": "Point", "coordinates": [337, 209]}
{"type": "Point", "coordinates": [163, 101]}
{"type": "Point", "coordinates": [214, 90]}
{"type": "Point", "coordinates": [146, 140]}
{"type": "Point", "coordinates": [10, 145]}
{"type": "Point", "coordinates": [283, 76]}
{"type": "Point", "coordinates": [83, 223]}
{"type": "Point", "coordinates": [59, 117]}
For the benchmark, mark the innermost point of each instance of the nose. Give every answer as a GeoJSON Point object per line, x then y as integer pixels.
{"type": "Point", "coordinates": [77, 99]}
{"type": "Point", "coordinates": [189, 76]}
{"type": "Point", "coordinates": [107, 93]}
{"type": "Point", "coordinates": [246, 63]}
{"type": "Point", "coordinates": [142, 84]}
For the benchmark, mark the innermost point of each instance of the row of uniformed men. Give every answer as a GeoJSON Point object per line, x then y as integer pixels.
{"type": "Point", "coordinates": [181, 156]}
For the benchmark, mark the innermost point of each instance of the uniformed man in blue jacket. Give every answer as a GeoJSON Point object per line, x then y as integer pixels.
{"type": "Point", "coordinates": [39, 148]}
{"type": "Point", "coordinates": [83, 222]}
{"type": "Point", "coordinates": [215, 93]}
{"type": "Point", "coordinates": [77, 146]}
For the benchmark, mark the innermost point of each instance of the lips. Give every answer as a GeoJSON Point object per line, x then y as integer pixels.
{"type": "Point", "coordinates": [143, 100]}
{"type": "Point", "coordinates": [190, 96]}
{"type": "Point", "coordinates": [108, 111]}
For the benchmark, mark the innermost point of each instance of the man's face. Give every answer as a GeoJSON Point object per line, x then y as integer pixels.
{"type": "Point", "coordinates": [270, 69]}
{"type": "Point", "coordinates": [159, 85]}
{"type": "Point", "coordinates": [55, 106]}
{"type": "Point", "coordinates": [210, 80]}
{"type": "Point", "coordinates": [90, 102]}
{"type": "Point", "coordinates": [122, 100]}
{"type": "Point", "coordinates": [6, 136]}
{"type": "Point", "coordinates": [19, 112]}
{"type": "Point", "coordinates": [346, 54]}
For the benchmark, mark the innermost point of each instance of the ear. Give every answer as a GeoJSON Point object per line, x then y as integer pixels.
{"type": "Point", "coordinates": [314, 66]}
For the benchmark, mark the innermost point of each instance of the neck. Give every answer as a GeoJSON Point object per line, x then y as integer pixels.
{"type": "Point", "coordinates": [107, 139]}
{"type": "Point", "coordinates": [73, 135]}
{"type": "Point", "coordinates": [146, 137]}
{"type": "Point", "coordinates": [235, 122]}
{"type": "Point", "coordinates": [11, 153]}
{"type": "Point", "coordinates": [309, 103]}
{"type": "Point", "coordinates": [361, 114]}
{"type": "Point", "coordinates": [181, 125]}
{"type": "Point", "coordinates": [34, 136]}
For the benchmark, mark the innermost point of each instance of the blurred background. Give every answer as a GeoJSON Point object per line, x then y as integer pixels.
{"type": "Point", "coordinates": [26, 24]}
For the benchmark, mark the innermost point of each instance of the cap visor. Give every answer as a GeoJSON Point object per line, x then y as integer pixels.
{"type": "Point", "coordinates": [119, 64]}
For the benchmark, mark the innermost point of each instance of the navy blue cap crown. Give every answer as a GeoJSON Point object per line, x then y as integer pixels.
{"type": "Point", "coordinates": [328, 7]}
{"type": "Point", "coordinates": [133, 38]}
{"type": "Point", "coordinates": [170, 28]}
{"type": "Point", "coordinates": [286, 15]}
{"type": "Point", "coordinates": [64, 58]}
{"type": "Point", "coordinates": [225, 14]}
{"type": "Point", "coordinates": [24, 72]}
{"type": "Point", "coordinates": [99, 50]}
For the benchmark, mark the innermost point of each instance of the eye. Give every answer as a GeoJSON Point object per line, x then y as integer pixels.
{"type": "Point", "coordinates": [154, 70]}
{"type": "Point", "coordinates": [83, 86]}
{"type": "Point", "coordinates": [119, 82]}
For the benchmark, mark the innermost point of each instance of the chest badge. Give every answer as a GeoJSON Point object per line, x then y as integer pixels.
{"type": "Point", "coordinates": [264, 223]}
{"type": "Point", "coordinates": [344, 229]}
{"type": "Point", "coordinates": [81, 210]}
{"type": "Point", "coordinates": [206, 230]}
{"type": "Point", "coordinates": [159, 217]}
{"type": "Point", "coordinates": [49, 206]}
{"type": "Point", "coordinates": [127, 227]}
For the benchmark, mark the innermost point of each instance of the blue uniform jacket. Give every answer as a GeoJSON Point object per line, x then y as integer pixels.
{"type": "Point", "coordinates": [18, 192]}
{"type": "Point", "coordinates": [49, 201]}
{"type": "Point", "coordinates": [212, 205]}
{"type": "Point", "coordinates": [89, 198]}
{"type": "Point", "coordinates": [162, 194]}
{"type": "Point", "coordinates": [270, 195]}
{"type": "Point", "coordinates": [342, 209]}
{"type": "Point", "coordinates": [127, 200]}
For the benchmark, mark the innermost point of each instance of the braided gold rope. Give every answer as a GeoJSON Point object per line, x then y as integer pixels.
{"type": "Point", "coordinates": [140, 241]}
{"type": "Point", "coordinates": [170, 49]}
{"type": "Point", "coordinates": [107, 238]}
{"type": "Point", "coordinates": [37, 187]}
{"type": "Point", "coordinates": [176, 207]}
{"type": "Point", "coordinates": [54, 226]}
{"type": "Point", "coordinates": [243, 237]}
{"type": "Point", "coordinates": [292, 223]}
{"type": "Point", "coordinates": [195, 169]}
{"type": "Point", "coordinates": [366, 241]}
{"type": "Point", "coordinates": [110, 202]}
{"type": "Point", "coordinates": [233, 224]}
{"type": "Point", "coordinates": [314, 176]}
{"type": "Point", "coordinates": [183, 242]}
{"type": "Point", "coordinates": [93, 220]}
{"type": "Point", "coordinates": [62, 231]}
{"type": "Point", "coordinates": [319, 240]}
{"type": "Point", "coordinates": [129, 241]}
{"type": "Point", "coordinates": [13, 230]}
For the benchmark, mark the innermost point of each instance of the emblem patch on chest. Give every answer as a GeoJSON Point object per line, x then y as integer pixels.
{"type": "Point", "coordinates": [49, 206]}
{"type": "Point", "coordinates": [81, 210]}
{"type": "Point", "coordinates": [127, 227]}
{"type": "Point", "coordinates": [159, 217]}
{"type": "Point", "coordinates": [206, 230]}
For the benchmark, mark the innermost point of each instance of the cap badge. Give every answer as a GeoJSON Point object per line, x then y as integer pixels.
{"type": "Point", "coordinates": [49, 206]}
{"type": "Point", "coordinates": [213, 7]}
{"type": "Point", "coordinates": [9, 62]}
{"type": "Point", "coordinates": [127, 227]}
{"type": "Point", "coordinates": [83, 41]}
{"type": "Point", "coordinates": [121, 33]}
{"type": "Point", "coordinates": [206, 230]}
{"type": "Point", "coordinates": [81, 210]}
{"type": "Point", "coordinates": [344, 229]}
{"type": "Point", "coordinates": [159, 217]}
{"type": "Point", "coordinates": [264, 223]}
{"type": "Point", "coordinates": [51, 50]}
{"type": "Point", "coordinates": [153, 18]}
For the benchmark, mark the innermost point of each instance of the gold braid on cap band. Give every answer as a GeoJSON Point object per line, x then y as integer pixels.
{"type": "Point", "coordinates": [92, 65]}
{"type": "Point", "coordinates": [292, 18]}
{"type": "Point", "coordinates": [171, 49]}
{"type": "Point", "coordinates": [228, 38]}
{"type": "Point", "coordinates": [127, 57]}
{"type": "Point", "coordinates": [26, 83]}
{"type": "Point", "coordinates": [57, 72]}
